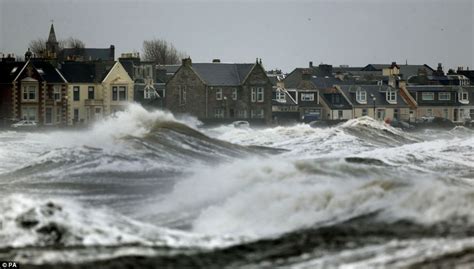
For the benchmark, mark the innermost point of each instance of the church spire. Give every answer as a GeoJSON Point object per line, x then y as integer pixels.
{"type": "Point", "coordinates": [52, 34]}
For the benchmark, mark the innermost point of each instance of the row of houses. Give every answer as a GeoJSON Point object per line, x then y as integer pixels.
{"type": "Point", "coordinates": [84, 85]}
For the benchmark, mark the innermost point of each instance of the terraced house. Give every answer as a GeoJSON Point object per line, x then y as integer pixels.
{"type": "Point", "coordinates": [95, 90]}
{"type": "Point", "coordinates": [381, 102]}
{"type": "Point", "coordinates": [218, 92]}
{"type": "Point", "coordinates": [33, 90]}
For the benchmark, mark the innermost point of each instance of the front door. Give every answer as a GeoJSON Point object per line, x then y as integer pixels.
{"type": "Point", "coordinates": [48, 117]}
{"type": "Point", "coordinates": [98, 113]}
{"type": "Point", "coordinates": [455, 117]}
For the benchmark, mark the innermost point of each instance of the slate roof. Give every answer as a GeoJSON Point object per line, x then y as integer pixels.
{"type": "Point", "coordinates": [432, 88]}
{"type": "Point", "coordinates": [323, 82]}
{"type": "Point", "coordinates": [412, 70]}
{"type": "Point", "coordinates": [222, 74]}
{"type": "Point", "coordinates": [50, 73]}
{"type": "Point", "coordinates": [85, 72]}
{"type": "Point", "coordinates": [376, 90]}
{"type": "Point", "coordinates": [328, 99]}
{"type": "Point", "coordinates": [89, 54]}
{"type": "Point", "coordinates": [6, 68]}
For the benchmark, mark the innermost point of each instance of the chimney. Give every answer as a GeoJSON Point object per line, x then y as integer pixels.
{"type": "Point", "coordinates": [112, 52]}
{"type": "Point", "coordinates": [311, 64]}
{"type": "Point", "coordinates": [187, 61]}
{"type": "Point", "coordinates": [216, 60]}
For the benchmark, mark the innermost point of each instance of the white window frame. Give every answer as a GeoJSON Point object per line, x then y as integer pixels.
{"type": "Point", "coordinates": [464, 96]}
{"type": "Point", "coordinates": [381, 113]}
{"type": "Point", "coordinates": [57, 92]}
{"type": "Point", "coordinates": [119, 89]}
{"type": "Point", "coordinates": [430, 96]}
{"type": "Point", "coordinates": [307, 97]}
{"type": "Point", "coordinates": [391, 97]}
{"type": "Point", "coordinates": [280, 96]}
{"type": "Point", "coordinates": [260, 95]}
{"type": "Point", "coordinates": [26, 115]}
{"type": "Point", "coordinates": [219, 94]}
{"type": "Point", "coordinates": [234, 94]}
{"type": "Point", "coordinates": [257, 113]}
{"type": "Point", "coordinates": [242, 113]}
{"type": "Point", "coordinates": [219, 113]}
{"type": "Point", "coordinates": [30, 91]}
{"type": "Point", "coordinates": [74, 90]}
{"type": "Point", "coordinates": [361, 96]}
{"type": "Point", "coordinates": [446, 96]}
{"type": "Point", "coordinates": [149, 93]}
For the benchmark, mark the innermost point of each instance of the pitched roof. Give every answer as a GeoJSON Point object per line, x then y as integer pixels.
{"type": "Point", "coordinates": [323, 82]}
{"type": "Point", "coordinates": [378, 91]}
{"type": "Point", "coordinates": [89, 54]}
{"type": "Point", "coordinates": [9, 71]}
{"type": "Point", "coordinates": [85, 72]}
{"type": "Point", "coordinates": [412, 70]}
{"type": "Point", "coordinates": [222, 74]}
{"type": "Point", "coordinates": [48, 72]}
{"type": "Point", "coordinates": [52, 35]}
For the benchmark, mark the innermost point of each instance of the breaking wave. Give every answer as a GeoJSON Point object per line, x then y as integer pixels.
{"type": "Point", "coordinates": [146, 184]}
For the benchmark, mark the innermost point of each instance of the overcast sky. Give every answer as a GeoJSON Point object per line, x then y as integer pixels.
{"type": "Point", "coordinates": [285, 34]}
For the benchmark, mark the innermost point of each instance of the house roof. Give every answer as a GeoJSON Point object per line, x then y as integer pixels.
{"type": "Point", "coordinates": [432, 88]}
{"type": "Point", "coordinates": [379, 91]}
{"type": "Point", "coordinates": [412, 70]}
{"type": "Point", "coordinates": [222, 74]}
{"type": "Point", "coordinates": [49, 72]}
{"type": "Point", "coordinates": [328, 98]}
{"type": "Point", "coordinates": [325, 82]}
{"type": "Point", "coordinates": [89, 54]}
{"type": "Point", "coordinates": [9, 71]}
{"type": "Point", "coordinates": [85, 72]}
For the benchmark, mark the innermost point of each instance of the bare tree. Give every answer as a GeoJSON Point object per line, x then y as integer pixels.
{"type": "Point", "coordinates": [37, 46]}
{"type": "Point", "coordinates": [161, 51]}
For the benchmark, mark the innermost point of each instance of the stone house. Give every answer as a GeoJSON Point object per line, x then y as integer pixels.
{"type": "Point", "coordinates": [220, 92]}
{"type": "Point", "coordinates": [34, 90]}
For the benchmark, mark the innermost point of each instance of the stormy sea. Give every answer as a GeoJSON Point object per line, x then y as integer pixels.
{"type": "Point", "coordinates": [150, 190]}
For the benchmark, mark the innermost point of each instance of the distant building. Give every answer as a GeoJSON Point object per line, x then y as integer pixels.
{"type": "Point", "coordinates": [220, 92]}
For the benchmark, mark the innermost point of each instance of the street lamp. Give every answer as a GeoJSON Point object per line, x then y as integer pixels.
{"type": "Point", "coordinates": [373, 101]}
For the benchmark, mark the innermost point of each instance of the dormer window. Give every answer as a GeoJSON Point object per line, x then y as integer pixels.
{"type": "Point", "coordinates": [464, 97]}
{"type": "Point", "coordinates": [280, 96]}
{"type": "Point", "coordinates": [392, 97]}
{"type": "Point", "coordinates": [361, 96]}
{"type": "Point", "coordinates": [444, 96]}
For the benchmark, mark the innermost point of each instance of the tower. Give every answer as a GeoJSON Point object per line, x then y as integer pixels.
{"type": "Point", "coordinates": [52, 45]}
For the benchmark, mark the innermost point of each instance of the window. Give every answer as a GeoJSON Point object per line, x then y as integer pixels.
{"type": "Point", "coordinates": [90, 93]}
{"type": "Point", "coordinates": [76, 115]}
{"type": "Point", "coordinates": [58, 115]}
{"type": "Point", "coordinates": [396, 114]}
{"type": "Point", "coordinates": [48, 119]}
{"type": "Point", "coordinates": [361, 96]}
{"type": "Point", "coordinates": [257, 113]}
{"type": "Point", "coordinates": [444, 96]}
{"type": "Point", "coordinates": [234, 94]}
{"type": "Point", "coordinates": [307, 97]}
{"type": "Point", "coordinates": [380, 114]}
{"type": "Point", "coordinates": [76, 96]}
{"type": "Point", "coordinates": [280, 96]}
{"type": "Point", "coordinates": [242, 113]}
{"type": "Point", "coordinates": [30, 93]}
{"type": "Point", "coordinates": [149, 93]}
{"type": "Point", "coordinates": [182, 94]}
{"type": "Point", "coordinates": [446, 113]}
{"type": "Point", "coordinates": [427, 96]}
{"type": "Point", "coordinates": [219, 113]}
{"type": "Point", "coordinates": [340, 114]}
{"type": "Point", "coordinates": [392, 96]}
{"type": "Point", "coordinates": [219, 94]}
{"type": "Point", "coordinates": [29, 113]}
{"type": "Point", "coordinates": [364, 112]}
{"type": "Point", "coordinates": [119, 93]}
{"type": "Point", "coordinates": [464, 96]}
{"type": "Point", "coordinates": [429, 112]}
{"type": "Point", "coordinates": [57, 92]}
{"type": "Point", "coordinates": [257, 94]}
{"type": "Point", "coordinates": [337, 99]}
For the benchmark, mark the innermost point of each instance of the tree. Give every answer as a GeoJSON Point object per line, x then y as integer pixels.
{"type": "Point", "coordinates": [37, 46]}
{"type": "Point", "coordinates": [162, 52]}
